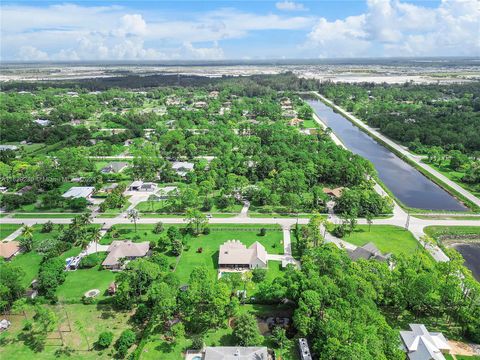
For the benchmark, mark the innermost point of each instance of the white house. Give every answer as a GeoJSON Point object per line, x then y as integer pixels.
{"type": "Point", "coordinates": [420, 344]}
{"type": "Point", "coordinates": [233, 254]}
{"type": "Point", "coordinates": [79, 192]}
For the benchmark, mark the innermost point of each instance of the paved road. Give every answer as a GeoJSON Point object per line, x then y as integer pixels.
{"type": "Point", "coordinates": [405, 152]}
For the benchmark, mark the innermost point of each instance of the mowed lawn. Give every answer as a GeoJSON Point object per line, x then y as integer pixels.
{"type": "Point", "coordinates": [78, 282]}
{"type": "Point", "coordinates": [436, 231]}
{"type": "Point", "coordinates": [210, 244]}
{"type": "Point", "coordinates": [7, 229]}
{"type": "Point", "coordinates": [387, 238]}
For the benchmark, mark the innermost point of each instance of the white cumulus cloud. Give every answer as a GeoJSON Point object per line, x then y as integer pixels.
{"type": "Point", "coordinates": [290, 6]}
{"type": "Point", "coordinates": [395, 28]}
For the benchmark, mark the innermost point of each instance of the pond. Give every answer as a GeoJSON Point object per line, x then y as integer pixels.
{"type": "Point", "coordinates": [409, 185]}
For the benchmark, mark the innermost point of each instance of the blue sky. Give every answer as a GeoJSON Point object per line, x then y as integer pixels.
{"type": "Point", "coordinates": [201, 30]}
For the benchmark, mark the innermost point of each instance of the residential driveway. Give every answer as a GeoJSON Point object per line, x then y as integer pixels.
{"type": "Point", "coordinates": [13, 235]}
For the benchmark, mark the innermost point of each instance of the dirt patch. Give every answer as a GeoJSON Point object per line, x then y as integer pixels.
{"type": "Point", "coordinates": [461, 348]}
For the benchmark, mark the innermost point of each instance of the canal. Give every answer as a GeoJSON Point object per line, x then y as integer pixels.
{"type": "Point", "coordinates": [471, 254]}
{"type": "Point", "coordinates": [409, 185]}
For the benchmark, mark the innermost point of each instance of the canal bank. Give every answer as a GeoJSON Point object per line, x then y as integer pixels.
{"type": "Point", "coordinates": [405, 182]}
{"type": "Point", "coordinates": [450, 186]}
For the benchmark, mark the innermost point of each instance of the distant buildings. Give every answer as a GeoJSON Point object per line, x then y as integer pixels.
{"type": "Point", "coordinates": [234, 255]}
{"type": "Point", "coordinates": [139, 185]}
{"type": "Point", "coordinates": [182, 167]}
{"type": "Point", "coordinates": [420, 344]}
{"type": "Point", "coordinates": [42, 122]}
{"type": "Point", "coordinates": [114, 168]}
{"type": "Point", "coordinates": [122, 250]}
{"type": "Point", "coordinates": [79, 192]}
{"type": "Point", "coordinates": [8, 147]}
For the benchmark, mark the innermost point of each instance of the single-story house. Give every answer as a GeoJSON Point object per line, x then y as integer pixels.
{"type": "Point", "coordinates": [337, 192]}
{"type": "Point", "coordinates": [182, 167]}
{"type": "Point", "coordinates": [42, 122]}
{"type": "Point", "coordinates": [233, 254]}
{"type": "Point", "coordinates": [8, 147]}
{"type": "Point", "coordinates": [9, 249]}
{"type": "Point", "coordinates": [110, 187]}
{"type": "Point", "coordinates": [420, 344]}
{"type": "Point", "coordinates": [367, 252]}
{"type": "Point", "coordinates": [295, 122]}
{"type": "Point", "coordinates": [236, 352]}
{"type": "Point", "coordinates": [24, 190]}
{"type": "Point", "coordinates": [139, 185]}
{"type": "Point", "coordinates": [200, 104]}
{"type": "Point", "coordinates": [213, 94]}
{"type": "Point", "coordinates": [79, 192]}
{"type": "Point", "coordinates": [124, 249]}
{"type": "Point", "coordinates": [114, 167]}
{"type": "Point", "coordinates": [3, 189]}
{"type": "Point", "coordinates": [112, 288]}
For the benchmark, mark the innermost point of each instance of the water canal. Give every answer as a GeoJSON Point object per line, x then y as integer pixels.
{"type": "Point", "coordinates": [409, 185]}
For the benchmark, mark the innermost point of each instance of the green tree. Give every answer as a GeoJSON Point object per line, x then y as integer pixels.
{"type": "Point", "coordinates": [246, 331]}
{"type": "Point", "coordinates": [105, 339]}
{"type": "Point", "coordinates": [196, 221]}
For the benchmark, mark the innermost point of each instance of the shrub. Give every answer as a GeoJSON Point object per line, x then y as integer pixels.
{"type": "Point", "coordinates": [258, 275]}
{"type": "Point", "coordinates": [141, 315]}
{"type": "Point", "coordinates": [197, 342]}
{"type": "Point", "coordinates": [124, 342]}
{"type": "Point", "coordinates": [87, 300]}
{"type": "Point", "coordinates": [206, 231]}
{"type": "Point", "coordinates": [47, 227]}
{"type": "Point", "coordinates": [158, 228]}
{"type": "Point", "coordinates": [339, 231]}
{"type": "Point", "coordinates": [92, 260]}
{"type": "Point", "coordinates": [105, 339]}
{"type": "Point", "coordinates": [263, 232]}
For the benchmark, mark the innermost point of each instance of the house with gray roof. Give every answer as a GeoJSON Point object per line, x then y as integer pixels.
{"type": "Point", "coordinates": [233, 254]}
{"type": "Point", "coordinates": [236, 353]}
{"type": "Point", "coordinates": [367, 252]}
{"type": "Point", "coordinates": [79, 192]}
{"type": "Point", "coordinates": [182, 167]}
{"type": "Point", "coordinates": [114, 168]}
{"type": "Point", "coordinates": [120, 251]}
{"type": "Point", "coordinates": [420, 344]}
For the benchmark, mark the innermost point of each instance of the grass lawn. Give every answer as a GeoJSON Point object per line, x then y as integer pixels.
{"type": "Point", "coordinates": [435, 231]}
{"type": "Point", "coordinates": [30, 264]}
{"type": "Point", "coordinates": [158, 206]}
{"type": "Point", "coordinates": [455, 176]}
{"type": "Point", "coordinates": [210, 244]}
{"type": "Point", "coordinates": [7, 229]}
{"type": "Point", "coordinates": [45, 216]}
{"type": "Point", "coordinates": [387, 238]}
{"type": "Point", "coordinates": [80, 281]}
{"type": "Point", "coordinates": [80, 325]}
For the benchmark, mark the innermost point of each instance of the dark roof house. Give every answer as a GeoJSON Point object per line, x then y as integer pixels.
{"type": "Point", "coordinates": [367, 252]}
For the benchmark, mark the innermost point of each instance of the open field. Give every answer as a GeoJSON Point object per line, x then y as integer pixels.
{"type": "Point", "coordinates": [457, 177]}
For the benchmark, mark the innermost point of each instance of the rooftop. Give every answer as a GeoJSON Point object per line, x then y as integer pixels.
{"type": "Point", "coordinates": [78, 192]}
{"type": "Point", "coordinates": [233, 252]}
{"type": "Point", "coordinates": [123, 249]}
{"type": "Point", "coordinates": [420, 344]}
{"type": "Point", "coordinates": [235, 353]}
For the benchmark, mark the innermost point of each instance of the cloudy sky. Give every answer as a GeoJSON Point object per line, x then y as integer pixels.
{"type": "Point", "coordinates": [173, 30]}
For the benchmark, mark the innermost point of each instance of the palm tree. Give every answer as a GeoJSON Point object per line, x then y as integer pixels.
{"type": "Point", "coordinates": [133, 215]}
{"type": "Point", "coordinates": [96, 236]}
{"type": "Point", "coordinates": [27, 238]}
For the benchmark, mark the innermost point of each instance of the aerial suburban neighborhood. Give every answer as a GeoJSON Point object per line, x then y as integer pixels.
{"type": "Point", "coordinates": [162, 199]}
